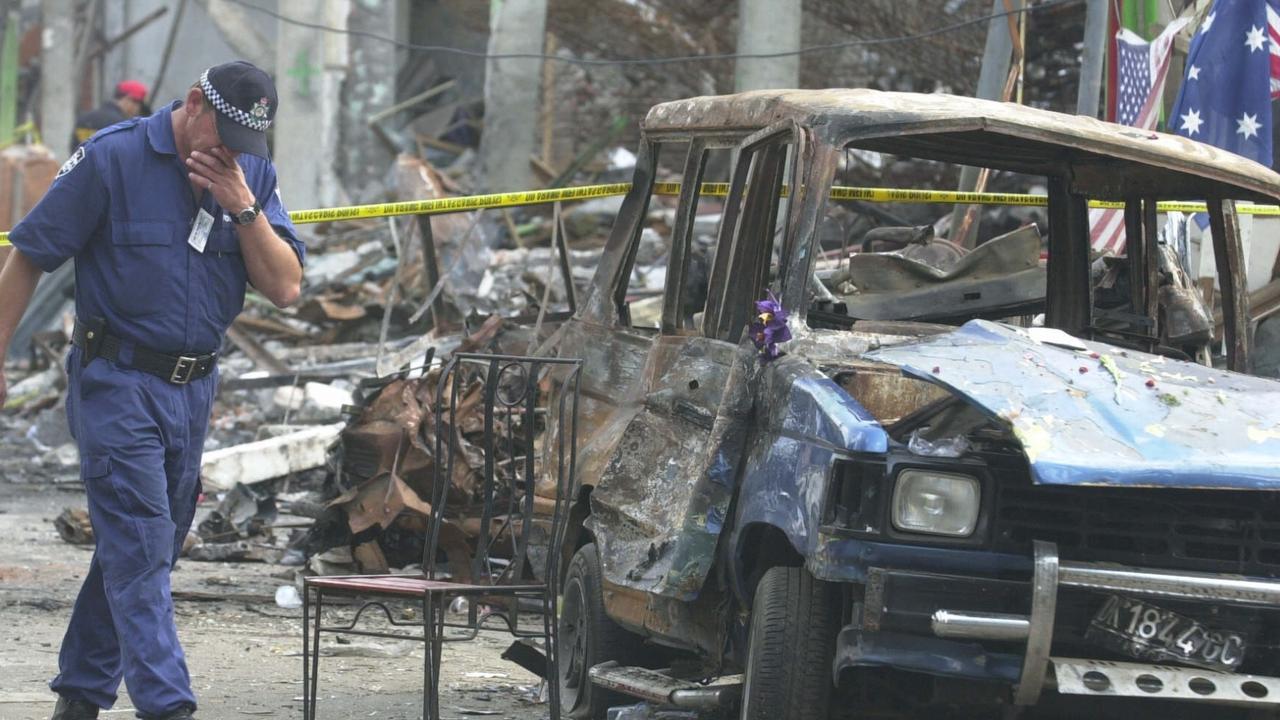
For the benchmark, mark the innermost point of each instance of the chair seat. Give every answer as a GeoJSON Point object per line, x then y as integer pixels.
{"type": "Point", "coordinates": [412, 585]}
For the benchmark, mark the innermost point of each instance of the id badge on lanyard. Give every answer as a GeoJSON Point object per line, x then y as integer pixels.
{"type": "Point", "coordinates": [199, 236]}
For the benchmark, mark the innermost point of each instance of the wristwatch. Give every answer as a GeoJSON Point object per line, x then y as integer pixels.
{"type": "Point", "coordinates": [247, 215]}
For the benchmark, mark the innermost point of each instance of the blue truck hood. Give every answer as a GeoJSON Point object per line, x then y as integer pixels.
{"type": "Point", "coordinates": [1087, 413]}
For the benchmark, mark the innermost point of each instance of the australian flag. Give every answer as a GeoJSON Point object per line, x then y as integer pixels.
{"type": "Point", "coordinates": [1232, 75]}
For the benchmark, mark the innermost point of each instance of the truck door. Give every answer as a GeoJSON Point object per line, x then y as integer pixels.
{"type": "Point", "coordinates": [660, 503]}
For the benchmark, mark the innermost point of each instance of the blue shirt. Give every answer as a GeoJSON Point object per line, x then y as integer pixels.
{"type": "Point", "coordinates": [123, 208]}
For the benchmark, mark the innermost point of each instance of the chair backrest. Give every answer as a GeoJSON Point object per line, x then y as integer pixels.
{"type": "Point", "coordinates": [489, 413]}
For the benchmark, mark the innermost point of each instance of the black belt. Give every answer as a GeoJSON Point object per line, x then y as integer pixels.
{"type": "Point", "coordinates": [94, 341]}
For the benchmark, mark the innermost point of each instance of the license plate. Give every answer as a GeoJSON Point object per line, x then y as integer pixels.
{"type": "Point", "coordinates": [1143, 631]}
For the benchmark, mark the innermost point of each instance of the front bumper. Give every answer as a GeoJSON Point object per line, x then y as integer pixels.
{"type": "Point", "coordinates": [1026, 638]}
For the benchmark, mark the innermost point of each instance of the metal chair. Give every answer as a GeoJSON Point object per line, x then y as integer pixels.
{"type": "Point", "coordinates": [512, 417]}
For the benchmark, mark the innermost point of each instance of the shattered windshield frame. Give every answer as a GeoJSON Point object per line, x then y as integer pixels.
{"type": "Point", "coordinates": [1069, 302]}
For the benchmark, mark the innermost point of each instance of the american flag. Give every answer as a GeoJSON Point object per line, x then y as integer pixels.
{"type": "Point", "coordinates": [1141, 69]}
{"type": "Point", "coordinates": [1273, 34]}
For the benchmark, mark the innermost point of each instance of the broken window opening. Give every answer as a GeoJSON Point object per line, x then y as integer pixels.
{"type": "Point", "coordinates": [895, 262]}
{"type": "Point", "coordinates": [642, 304]}
{"type": "Point", "coordinates": [1152, 280]}
{"type": "Point", "coordinates": [756, 213]}
{"type": "Point", "coordinates": [695, 239]}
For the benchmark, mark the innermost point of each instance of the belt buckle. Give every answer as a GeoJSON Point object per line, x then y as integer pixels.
{"type": "Point", "coordinates": [183, 370]}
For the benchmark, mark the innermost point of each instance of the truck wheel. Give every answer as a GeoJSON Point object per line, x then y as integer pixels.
{"type": "Point", "coordinates": [790, 647]}
{"type": "Point", "coordinates": [589, 637]}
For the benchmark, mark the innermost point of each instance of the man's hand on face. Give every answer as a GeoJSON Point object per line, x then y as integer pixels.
{"type": "Point", "coordinates": [218, 172]}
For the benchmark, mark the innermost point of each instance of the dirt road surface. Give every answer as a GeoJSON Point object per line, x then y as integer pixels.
{"type": "Point", "coordinates": [244, 653]}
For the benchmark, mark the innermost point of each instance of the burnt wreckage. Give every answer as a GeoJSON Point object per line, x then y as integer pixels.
{"type": "Point", "coordinates": [929, 482]}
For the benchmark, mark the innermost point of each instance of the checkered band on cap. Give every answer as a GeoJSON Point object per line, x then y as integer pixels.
{"type": "Point", "coordinates": [228, 109]}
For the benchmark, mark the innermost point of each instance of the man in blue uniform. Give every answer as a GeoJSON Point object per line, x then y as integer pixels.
{"type": "Point", "coordinates": [167, 217]}
{"type": "Point", "coordinates": [129, 100]}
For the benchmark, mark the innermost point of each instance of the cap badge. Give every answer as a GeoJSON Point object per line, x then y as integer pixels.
{"type": "Point", "coordinates": [260, 108]}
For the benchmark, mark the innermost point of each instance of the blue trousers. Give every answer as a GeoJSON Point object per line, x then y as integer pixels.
{"type": "Point", "coordinates": [140, 444]}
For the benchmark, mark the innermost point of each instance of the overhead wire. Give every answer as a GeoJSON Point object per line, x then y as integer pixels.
{"type": "Point", "coordinates": [657, 60]}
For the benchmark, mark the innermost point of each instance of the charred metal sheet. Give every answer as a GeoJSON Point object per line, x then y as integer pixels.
{"type": "Point", "coordinates": [613, 364]}
{"type": "Point", "coordinates": [387, 437]}
{"type": "Point", "coordinates": [661, 500]}
{"type": "Point", "coordinates": [378, 502]}
{"type": "Point", "coordinates": [386, 500]}
{"type": "Point", "coordinates": [1002, 277]}
{"type": "Point", "coordinates": [380, 436]}
{"type": "Point", "coordinates": [1095, 414]}
{"type": "Point", "coordinates": [1000, 256]}
{"type": "Point", "coordinates": [715, 476]}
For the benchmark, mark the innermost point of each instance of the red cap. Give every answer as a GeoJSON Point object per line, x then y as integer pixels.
{"type": "Point", "coordinates": [133, 89]}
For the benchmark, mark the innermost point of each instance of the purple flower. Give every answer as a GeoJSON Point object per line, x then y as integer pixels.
{"type": "Point", "coordinates": [769, 327]}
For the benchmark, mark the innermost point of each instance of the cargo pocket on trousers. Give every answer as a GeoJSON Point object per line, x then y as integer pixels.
{"type": "Point", "coordinates": [95, 467]}
{"type": "Point", "coordinates": [127, 530]}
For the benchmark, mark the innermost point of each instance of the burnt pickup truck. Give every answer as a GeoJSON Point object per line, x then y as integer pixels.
{"type": "Point", "coordinates": [1016, 475]}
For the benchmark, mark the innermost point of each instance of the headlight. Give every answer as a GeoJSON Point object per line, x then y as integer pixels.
{"type": "Point", "coordinates": [938, 503]}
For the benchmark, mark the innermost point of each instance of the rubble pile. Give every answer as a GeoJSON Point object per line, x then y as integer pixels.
{"type": "Point", "coordinates": [305, 390]}
{"type": "Point", "coordinates": [387, 469]}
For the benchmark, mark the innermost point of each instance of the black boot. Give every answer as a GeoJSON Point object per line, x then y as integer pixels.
{"type": "Point", "coordinates": [183, 713]}
{"type": "Point", "coordinates": [68, 709]}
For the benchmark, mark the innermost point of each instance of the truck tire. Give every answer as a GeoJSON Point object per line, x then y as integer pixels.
{"type": "Point", "coordinates": [790, 647]}
{"type": "Point", "coordinates": [589, 637]}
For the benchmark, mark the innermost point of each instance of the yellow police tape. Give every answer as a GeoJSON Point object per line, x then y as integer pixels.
{"type": "Point", "coordinates": [536, 197]}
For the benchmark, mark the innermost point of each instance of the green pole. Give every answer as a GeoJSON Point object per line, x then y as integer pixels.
{"type": "Point", "coordinates": [1152, 16]}
{"type": "Point", "coordinates": [1140, 16]}
{"type": "Point", "coordinates": [9, 79]}
{"type": "Point", "coordinates": [1129, 15]}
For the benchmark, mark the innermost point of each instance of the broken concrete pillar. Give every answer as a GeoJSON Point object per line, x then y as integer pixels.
{"type": "Point", "coordinates": [310, 65]}
{"type": "Point", "coordinates": [768, 26]}
{"type": "Point", "coordinates": [370, 87]}
{"type": "Point", "coordinates": [241, 28]}
{"type": "Point", "coordinates": [511, 91]}
{"type": "Point", "coordinates": [58, 79]}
